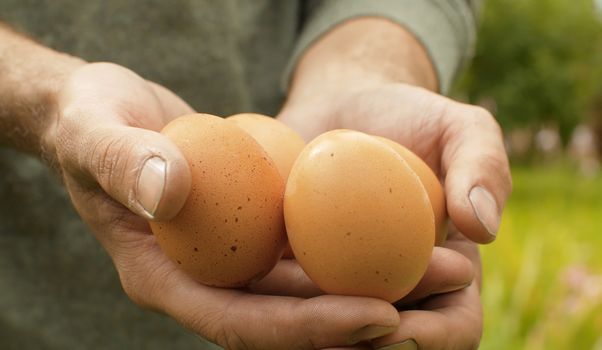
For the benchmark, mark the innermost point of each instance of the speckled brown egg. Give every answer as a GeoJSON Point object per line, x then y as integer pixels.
{"type": "Point", "coordinates": [230, 231]}
{"type": "Point", "coordinates": [431, 184]}
{"type": "Point", "coordinates": [282, 143]}
{"type": "Point", "coordinates": [358, 218]}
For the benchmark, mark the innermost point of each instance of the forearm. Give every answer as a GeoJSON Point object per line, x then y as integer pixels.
{"type": "Point", "coordinates": [359, 52]}
{"type": "Point", "coordinates": [30, 76]}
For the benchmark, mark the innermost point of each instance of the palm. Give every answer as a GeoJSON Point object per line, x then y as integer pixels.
{"type": "Point", "coordinates": [402, 113]}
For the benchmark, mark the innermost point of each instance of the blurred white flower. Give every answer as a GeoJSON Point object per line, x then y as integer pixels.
{"type": "Point", "coordinates": [547, 140]}
{"type": "Point", "coordinates": [583, 147]}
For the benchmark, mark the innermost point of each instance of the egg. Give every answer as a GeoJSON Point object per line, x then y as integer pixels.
{"type": "Point", "coordinates": [358, 218]}
{"type": "Point", "coordinates": [282, 144]}
{"type": "Point", "coordinates": [230, 231]}
{"type": "Point", "coordinates": [431, 184]}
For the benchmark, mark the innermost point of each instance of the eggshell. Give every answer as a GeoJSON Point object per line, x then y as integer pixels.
{"type": "Point", "coordinates": [230, 231]}
{"type": "Point", "coordinates": [282, 143]}
{"type": "Point", "coordinates": [431, 184]}
{"type": "Point", "coordinates": [358, 218]}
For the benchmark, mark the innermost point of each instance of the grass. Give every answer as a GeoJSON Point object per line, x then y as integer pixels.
{"type": "Point", "coordinates": [543, 275]}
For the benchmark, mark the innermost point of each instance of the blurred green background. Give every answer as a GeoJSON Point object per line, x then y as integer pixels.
{"type": "Point", "coordinates": [538, 69]}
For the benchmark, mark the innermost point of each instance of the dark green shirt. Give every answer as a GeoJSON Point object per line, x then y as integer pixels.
{"type": "Point", "coordinates": [58, 288]}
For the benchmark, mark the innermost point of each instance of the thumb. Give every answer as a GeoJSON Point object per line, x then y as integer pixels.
{"type": "Point", "coordinates": [139, 168]}
{"type": "Point", "coordinates": [477, 174]}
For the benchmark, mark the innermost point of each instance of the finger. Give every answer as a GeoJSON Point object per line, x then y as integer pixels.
{"type": "Point", "coordinates": [269, 322]}
{"type": "Point", "coordinates": [173, 106]}
{"type": "Point", "coordinates": [453, 321]}
{"type": "Point", "coordinates": [139, 168]}
{"type": "Point", "coordinates": [287, 278]}
{"type": "Point", "coordinates": [447, 271]}
{"type": "Point", "coordinates": [357, 347]}
{"type": "Point", "coordinates": [477, 174]}
{"type": "Point", "coordinates": [238, 320]}
{"type": "Point", "coordinates": [456, 241]}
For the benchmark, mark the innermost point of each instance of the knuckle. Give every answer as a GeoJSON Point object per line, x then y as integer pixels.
{"type": "Point", "coordinates": [474, 340]}
{"type": "Point", "coordinates": [234, 341]}
{"type": "Point", "coordinates": [84, 151]}
{"type": "Point", "coordinates": [310, 321]}
{"type": "Point", "coordinates": [133, 288]}
{"type": "Point", "coordinates": [498, 170]}
{"type": "Point", "coordinates": [479, 112]}
{"type": "Point", "coordinates": [141, 277]}
{"type": "Point", "coordinates": [482, 117]}
{"type": "Point", "coordinates": [211, 324]}
{"type": "Point", "coordinates": [105, 158]}
{"type": "Point", "coordinates": [496, 162]}
{"type": "Point", "coordinates": [474, 343]}
{"type": "Point", "coordinates": [141, 288]}
{"type": "Point", "coordinates": [506, 179]}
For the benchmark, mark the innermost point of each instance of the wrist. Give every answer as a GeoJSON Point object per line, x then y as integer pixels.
{"type": "Point", "coordinates": [31, 80]}
{"type": "Point", "coordinates": [358, 54]}
{"type": "Point", "coordinates": [48, 96]}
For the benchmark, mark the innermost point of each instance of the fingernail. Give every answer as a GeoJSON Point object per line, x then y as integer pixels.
{"type": "Point", "coordinates": [455, 288]}
{"type": "Point", "coordinates": [371, 332]}
{"type": "Point", "coordinates": [151, 184]}
{"type": "Point", "coordinates": [409, 344]}
{"type": "Point", "coordinates": [485, 208]}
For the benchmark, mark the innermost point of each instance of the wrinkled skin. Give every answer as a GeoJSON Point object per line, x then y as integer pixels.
{"type": "Point", "coordinates": [463, 144]}
{"type": "Point", "coordinates": [99, 149]}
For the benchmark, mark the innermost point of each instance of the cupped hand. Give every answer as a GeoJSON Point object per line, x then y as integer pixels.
{"type": "Point", "coordinates": [442, 312]}
{"type": "Point", "coordinates": [452, 320]}
{"type": "Point", "coordinates": [462, 143]}
{"type": "Point", "coordinates": [119, 172]}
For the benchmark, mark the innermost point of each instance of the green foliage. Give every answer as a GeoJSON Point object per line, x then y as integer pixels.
{"type": "Point", "coordinates": [542, 285]}
{"type": "Point", "coordinates": [540, 60]}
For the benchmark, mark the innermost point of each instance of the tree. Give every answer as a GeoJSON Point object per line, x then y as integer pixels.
{"type": "Point", "coordinates": [540, 60]}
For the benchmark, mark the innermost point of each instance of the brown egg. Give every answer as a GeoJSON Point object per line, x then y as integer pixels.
{"type": "Point", "coordinates": [281, 142]}
{"type": "Point", "coordinates": [358, 218]}
{"type": "Point", "coordinates": [230, 231]}
{"type": "Point", "coordinates": [431, 184]}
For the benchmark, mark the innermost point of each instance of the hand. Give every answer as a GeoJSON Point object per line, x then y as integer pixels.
{"type": "Point", "coordinates": [443, 311]}
{"type": "Point", "coordinates": [451, 320]}
{"type": "Point", "coordinates": [120, 171]}
{"type": "Point", "coordinates": [463, 145]}
{"type": "Point", "coordinates": [374, 76]}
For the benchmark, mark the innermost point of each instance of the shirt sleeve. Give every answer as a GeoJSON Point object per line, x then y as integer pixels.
{"type": "Point", "coordinates": [446, 28]}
